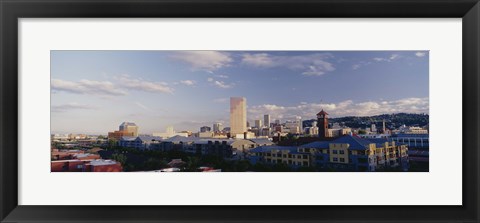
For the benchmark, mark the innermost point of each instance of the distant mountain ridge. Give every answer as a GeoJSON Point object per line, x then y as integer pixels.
{"type": "Point", "coordinates": [392, 121]}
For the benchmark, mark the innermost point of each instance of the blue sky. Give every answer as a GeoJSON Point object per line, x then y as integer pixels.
{"type": "Point", "coordinates": [94, 91]}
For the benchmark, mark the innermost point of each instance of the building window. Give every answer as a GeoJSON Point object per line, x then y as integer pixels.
{"type": "Point", "coordinates": [342, 160]}
{"type": "Point", "coordinates": [305, 156]}
{"type": "Point", "coordinates": [79, 166]}
{"type": "Point", "coordinates": [335, 159]}
{"type": "Point", "coordinates": [342, 152]}
{"type": "Point", "coordinates": [335, 151]}
{"type": "Point", "coordinates": [289, 155]}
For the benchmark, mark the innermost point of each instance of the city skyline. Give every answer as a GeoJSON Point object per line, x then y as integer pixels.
{"type": "Point", "coordinates": [95, 91]}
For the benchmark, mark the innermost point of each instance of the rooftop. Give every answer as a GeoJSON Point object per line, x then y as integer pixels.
{"type": "Point", "coordinates": [128, 138]}
{"type": "Point", "coordinates": [82, 155]}
{"type": "Point", "coordinates": [150, 138]}
{"type": "Point", "coordinates": [101, 162]}
{"type": "Point", "coordinates": [128, 124]}
{"type": "Point", "coordinates": [408, 135]}
{"type": "Point", "coordinates": [355, 142]}
{"type": "Point", "coordinates": [262, 141]}
{"type": "Point", "coordinates": [197, 140]}
{"type": "Point", "coordinates": [322, 112]}
{"type": "Point", "coordinates": [262, 149]}
{"type": "Point", "coordinates": [317, 145]}
{"type": "Point", "coordinates": [178, 139]}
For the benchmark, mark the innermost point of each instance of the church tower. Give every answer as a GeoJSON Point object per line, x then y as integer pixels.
{"type": "Point", "coordinates": [322, 124]}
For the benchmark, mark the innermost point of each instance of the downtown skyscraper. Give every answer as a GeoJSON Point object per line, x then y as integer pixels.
{"type": "Point", "coordinates": [238, 115]}
{"type": "Point", "coordinates": [266, 121]}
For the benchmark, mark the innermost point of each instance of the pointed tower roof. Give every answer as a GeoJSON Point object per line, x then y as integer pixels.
{"type": "Point", "coordinates": [322, 112]}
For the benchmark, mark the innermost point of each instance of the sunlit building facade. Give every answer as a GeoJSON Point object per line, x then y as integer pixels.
{"type": "Point", "coordinates": [238, 115]}
{"type": "Point", "coordinates": [129, 127]}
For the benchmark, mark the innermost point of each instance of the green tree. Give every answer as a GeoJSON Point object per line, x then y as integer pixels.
{"type": "Point", "coordinates": [306, 169]}
{"type": "Point", "coordinates": [155, 164]}
{"type": "Point", "coordinates": [281, 167]}
{"type": "Point", "coordinates": [112, 143]}
{"type": "Point", "coordinates": [243, 165]}
{"type": "Point", "coordinates": [192, 164]}
{"type": "Point", "coordinates": [260, 167]}
{"type": "Point", "coordinates": [120, 158]}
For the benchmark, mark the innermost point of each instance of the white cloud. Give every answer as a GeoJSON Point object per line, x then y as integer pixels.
{"type": "Point", "coordinates": [222, 84]}
{"type": "Point", "coordinates": [222, 76]}
{"type": "Point", "coordinates": [259, 60]}
{"type": "Point", "coordinates": [107, 88]}
{"type": "Point", "coordinates": [361, 64]}
{"type": "Point", "coordinates": [391, 58]}
{"type": "Point", "coordinates": [204, 60]}
{"type": "Point", "coordinates": [71, 106]}
{"type": "Point", "coordinates": [394, 56]}
{"type": "Point", "coordinates": [142, 85]}
{"type": "Point", "coordinates": [311, 65]}
{"type": "Point", "coordinates": [87, 87]}
{"type": "Point", "coordinates": [188, 82]}
{"type": "Point", "coordinates": [142, 106]}
{"type": "Point", "coordinates": [380, 59]}
{"type": "Point", "coordinates": [344, 108]}
{"type": "Point", "coordinates": [420, 54]}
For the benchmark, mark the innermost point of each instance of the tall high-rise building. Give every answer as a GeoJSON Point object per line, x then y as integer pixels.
{"type": "Point", "coordinates": [217, 127]}
{"type": "Point", "coordinates": [258, 123]}
{"type": "Point", "coordinates": [238, 115]}
{"type": "Point", "coordinates": [266, 121]}
{"type": "Point", "coordinates": [300, 124]}
{"type": "Point", "coordinates": [129, 127]}
{"type": "Point", "coordinates": [322, 124]}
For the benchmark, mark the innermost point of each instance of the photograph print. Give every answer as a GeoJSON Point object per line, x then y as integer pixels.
{"type": "Point", "coordinates": [239, 111]}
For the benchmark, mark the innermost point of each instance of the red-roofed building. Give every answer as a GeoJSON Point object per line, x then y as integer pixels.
{"type": "Point", "coordinates": [93, 165]}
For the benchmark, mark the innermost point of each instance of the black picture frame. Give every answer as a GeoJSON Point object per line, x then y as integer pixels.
{"type": "Point", "coordinates": [12, 10]}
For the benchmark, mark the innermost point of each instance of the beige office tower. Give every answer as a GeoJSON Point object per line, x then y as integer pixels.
{"type": "Point", "coordinates": [238, 115]}
{"type": "Point", "coordinates": [129, 127]}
